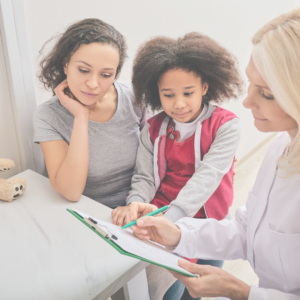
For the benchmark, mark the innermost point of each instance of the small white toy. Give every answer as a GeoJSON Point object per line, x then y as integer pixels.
{"type": "Point", "coordinates": [10, 189]}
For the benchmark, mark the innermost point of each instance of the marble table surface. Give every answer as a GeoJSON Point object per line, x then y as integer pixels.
{"type": "Point", "coordinates": [46, 253]}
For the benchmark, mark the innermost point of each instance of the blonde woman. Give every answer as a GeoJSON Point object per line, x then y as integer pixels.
{"type": "Point", "coordinates": [266, 231]}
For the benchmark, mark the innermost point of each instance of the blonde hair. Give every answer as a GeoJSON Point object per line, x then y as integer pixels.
{"type": "Point", "coordinates": [276, 55]}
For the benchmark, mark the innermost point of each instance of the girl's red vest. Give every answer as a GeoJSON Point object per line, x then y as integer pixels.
{"type": "Point", "coordinates": [217, 206]}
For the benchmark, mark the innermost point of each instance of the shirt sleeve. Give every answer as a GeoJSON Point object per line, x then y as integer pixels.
{"type": "Point", "coordinates": [142, 183]}
{"type": "Point", "coordinates": [215, 164]}
{"type": "Point", "coordinates": [212, 239]}
{"type": "Point", "coordinates": [257, 293]}
{"type": "Point", "coordinates": [44, 129]}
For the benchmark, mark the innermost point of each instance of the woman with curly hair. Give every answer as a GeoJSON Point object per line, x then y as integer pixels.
{"type": "Point", "coordinates": [82, 130]}
{"type": "Point", "coordinates": [186, 153]}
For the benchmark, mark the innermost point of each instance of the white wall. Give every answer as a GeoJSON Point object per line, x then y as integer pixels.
{"type": "Point", "coordinates": [230, 22]}
{"type": "Point", "coordinates": [9, 147]}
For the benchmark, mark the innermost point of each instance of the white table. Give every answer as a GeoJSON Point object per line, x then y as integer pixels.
{"type": "Point", "coordinates": [46, 253]}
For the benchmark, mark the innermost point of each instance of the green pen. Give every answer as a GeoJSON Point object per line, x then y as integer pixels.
{"type": "Point", "coordinates": [153, 213]}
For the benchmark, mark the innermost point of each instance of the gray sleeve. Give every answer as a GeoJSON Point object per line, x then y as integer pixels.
{"type": "Point", "coordinates": [44, 130]}
{"type": "Point", "coordinates": [215, 164]}
{"type": "Point", "coordinates": [142, 183]}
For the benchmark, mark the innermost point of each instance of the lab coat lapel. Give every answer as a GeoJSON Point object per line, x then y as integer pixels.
{"type": "Point", "coordinates": [261, 191]}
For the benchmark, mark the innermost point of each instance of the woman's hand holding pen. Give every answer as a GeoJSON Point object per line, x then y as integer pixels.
{"type": "Point", "coordinates": [75, 107]}
{"type": "Point", "coordinates": [158, 229]}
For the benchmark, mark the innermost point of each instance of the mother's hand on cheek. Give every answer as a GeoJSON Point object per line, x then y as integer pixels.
{"type": "Point", "coordinates": [75, 107]}
{"type": "Point", "coordinates": [212, 282]}
{"type": "Point", "coordinates": [157, 229]}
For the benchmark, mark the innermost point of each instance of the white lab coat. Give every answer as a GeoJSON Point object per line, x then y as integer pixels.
{"type": "Point", "coordinates": [266, 231]}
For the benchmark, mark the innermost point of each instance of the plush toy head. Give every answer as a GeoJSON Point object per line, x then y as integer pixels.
{"type": "Point", "coordinates": [13, 188]}
{"type": "Point", "coordinates": [6, 164]}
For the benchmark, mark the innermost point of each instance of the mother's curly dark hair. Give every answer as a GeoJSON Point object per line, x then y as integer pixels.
{"type": "Point", "coordinates": [84, 32]}
{"type": "Point", "coordinates": [195, 53]}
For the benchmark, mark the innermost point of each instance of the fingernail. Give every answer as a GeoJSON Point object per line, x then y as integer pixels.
{"type": "Point", "coordinates": [131, 217]}
{"type": "Point", "coordinates": [140, 222]}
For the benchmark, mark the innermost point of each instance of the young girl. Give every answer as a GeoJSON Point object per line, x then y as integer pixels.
{"type": "Point", "coordinates": [186, 153]}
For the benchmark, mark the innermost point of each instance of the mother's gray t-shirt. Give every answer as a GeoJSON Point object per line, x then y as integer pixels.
{"type": "Point", "coordinates": [112, 145]}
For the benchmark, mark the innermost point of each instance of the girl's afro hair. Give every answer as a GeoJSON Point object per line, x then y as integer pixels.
{"type": "Point", "coordinates": [195, 53]}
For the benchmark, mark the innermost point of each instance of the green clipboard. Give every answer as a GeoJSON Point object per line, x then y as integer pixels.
{"type": "Point", "coordinates": [120, 250]}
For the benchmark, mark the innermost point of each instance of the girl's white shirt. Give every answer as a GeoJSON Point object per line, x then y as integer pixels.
{"type": "Point", "coordinates": [188, 129]}
{"type": "Point", "coordinates": [266, 231]}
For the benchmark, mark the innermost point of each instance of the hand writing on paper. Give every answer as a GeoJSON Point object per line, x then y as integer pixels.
{"type": "Point", "coordinates": [212, 282]}
{"type": "Point", "coordinates": [157, 229]}
{"type": "Point", "coordinates": [75, 107]}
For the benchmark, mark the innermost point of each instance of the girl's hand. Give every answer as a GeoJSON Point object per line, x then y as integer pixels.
{"type": "Point", "coordinates": [212, 282]}
{"type": "Point", "coordinates": [158, 229]}
{"type": "Point", "coordinates": [75, 107]}
{"type": "Point", "coordinates": [119, 215]}
{"type": "Point", "coordinates": [125, 214]}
